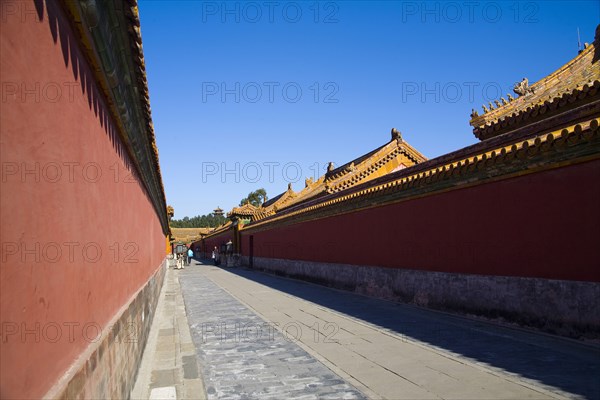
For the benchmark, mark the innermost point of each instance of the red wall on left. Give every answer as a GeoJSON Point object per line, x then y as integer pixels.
{"type": "Point", "coordinates": [79, 234]}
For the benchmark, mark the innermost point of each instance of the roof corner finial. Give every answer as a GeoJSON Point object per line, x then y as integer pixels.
{"type": "Point", "coordinates": [396, 134]}
{"type": "Point", "coordinates": [290, 186]}
{"type": "Point", "coordinates": [330, 166]}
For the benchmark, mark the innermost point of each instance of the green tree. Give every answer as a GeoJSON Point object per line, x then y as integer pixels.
{"type": "Point", "coordinates": [199, 221]}
{"type": "Point", "coordinates": [255, 198]}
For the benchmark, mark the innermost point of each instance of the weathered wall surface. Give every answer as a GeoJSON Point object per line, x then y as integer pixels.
{"type": "Point", "coordinates": [558, 306]}
{"type": "Point", "coordinates": [108, 369]}
{"type": "Point", "coordinates": [521, 248]}
{"type": "Point", "coordinates": [79, 235]}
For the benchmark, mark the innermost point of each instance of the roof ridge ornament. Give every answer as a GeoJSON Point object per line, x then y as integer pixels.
{"type": "Point", "coordinates": [522, 88]}
{"type": "Point", "coordinates": [396, 134]}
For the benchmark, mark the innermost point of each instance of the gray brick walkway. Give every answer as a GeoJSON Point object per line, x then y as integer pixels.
{"type": "Point", "coordinates": [246, 334]}
{"type": "Point", "coordinates": [245, 357]}
{"type": "Point", "coordinates": [169, 368]}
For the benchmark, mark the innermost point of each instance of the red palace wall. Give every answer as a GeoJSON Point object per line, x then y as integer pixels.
{"type": "Point", "coordinates": [541, 225]}
{"type": "Point", "coordinates": [79, 234]}
{"type": "Point", "coordinates": [212, 241]}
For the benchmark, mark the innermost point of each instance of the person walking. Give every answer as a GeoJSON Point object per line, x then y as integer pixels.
{"type": "Point", "coordinates": [190, 254]}
{"type": "Point", "coordinates": [215, 256]}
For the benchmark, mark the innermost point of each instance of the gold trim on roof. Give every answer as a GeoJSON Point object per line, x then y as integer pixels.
{"type": "Point", "coordinates": [393, 155]}
{"type": "Point", "coordinates": [576, 143]}
{"type": "Point", "coordinates": [565, 89]}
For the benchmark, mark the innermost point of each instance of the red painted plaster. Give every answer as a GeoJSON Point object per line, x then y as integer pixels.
{"type": "Point", "coordinates": [544, 225]}
{"type": "Point", "coordinates": [55, 122]}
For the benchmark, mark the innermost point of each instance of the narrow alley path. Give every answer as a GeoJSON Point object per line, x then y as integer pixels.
{"type": "Point", "coordinates": [261, 336]}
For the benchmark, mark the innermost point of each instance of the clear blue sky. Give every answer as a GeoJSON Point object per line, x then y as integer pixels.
{"type": "Point", "coordinates": [255, 94]}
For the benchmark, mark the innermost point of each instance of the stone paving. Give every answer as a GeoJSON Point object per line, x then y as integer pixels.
{"type": "Point", "coordinates": [169, 368]}
{"type": "Point", "coordinates": [245, 357]}
{"type": "Point", "coordinates": [549, 364]}
{"type": "Point", "coordinates": [260, 336]}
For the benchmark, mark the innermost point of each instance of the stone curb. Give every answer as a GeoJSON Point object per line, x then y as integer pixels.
{"type": "Point", "coordinates": [169, 368]}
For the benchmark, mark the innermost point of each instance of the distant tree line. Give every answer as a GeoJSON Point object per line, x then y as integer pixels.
{"type": "Point", "coordinates": [256, 198]}
{"type": "Point", "coordinates": [199, 221]}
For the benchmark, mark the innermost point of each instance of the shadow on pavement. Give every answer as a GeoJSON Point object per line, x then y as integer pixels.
{"type": "Point", "coordinates": [539, 358]}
